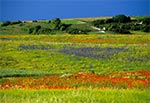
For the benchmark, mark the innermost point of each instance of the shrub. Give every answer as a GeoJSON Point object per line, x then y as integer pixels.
{"type": "Point", "coordinates": [76, 31]}
{"type": "Point", "coordinates": [6, 23]}
{"type": "Point", "coordinates": [145, 28]}
{"type": "Point", "coordinates": [121, 31]}
{"type": "Point", "coordinates": [55, 24]}
{"type": "Point", "coordinates": [16, 22]}
{"type": "Point", "coordinates": [146, 20]}
{"type": "Point", "coordinates": [121, 19]}
{"type": "Point", "coordinates": [98, 22]}
{"type": "Point", "coordinates": [108, 21]}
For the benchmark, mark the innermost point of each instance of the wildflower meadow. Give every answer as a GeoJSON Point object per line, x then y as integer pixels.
{"type": "Point", "coordinates": [101, 68]}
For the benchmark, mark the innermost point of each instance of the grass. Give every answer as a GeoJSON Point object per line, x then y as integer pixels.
{"type": "Point", "coordinates": [39, 55]}
{"type": "Point", "coordinates": [50, 53]}
{"type": "Point", "coordinates": [20, 73]}
{"type": "Point", "coordinates": [75, 96]}
{"type": "Point", "coordinates": [71, 21]}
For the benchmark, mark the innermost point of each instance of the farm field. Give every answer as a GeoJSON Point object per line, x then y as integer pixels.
{"type": "Point", "coordinates": [75, 68]}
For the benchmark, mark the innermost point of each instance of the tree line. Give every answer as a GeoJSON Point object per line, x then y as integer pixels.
{"type": "Point", "coordinates": [118, 24]}
{"type": "Point", "coordinates": [124, 24]}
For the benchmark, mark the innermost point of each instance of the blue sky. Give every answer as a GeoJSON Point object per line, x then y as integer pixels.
{"type": "Point", "coordinates": [48, 9]}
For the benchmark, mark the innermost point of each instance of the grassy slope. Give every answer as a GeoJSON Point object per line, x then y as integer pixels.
{"type": "Point", "coordinates": [20, 29]}
{"type": "Point", "coordinates": [74, 96]}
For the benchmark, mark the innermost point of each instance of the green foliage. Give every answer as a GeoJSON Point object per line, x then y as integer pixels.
{"type": "Point", "coordinates": [10, 23]}
{"type": "Point", "coordinates": [77, 26]}
{"type": "Point", "coordinates": [145, 28]}
{"type": "Point", "coordinates": [121, 31]}
{"type": "Point", "coordinates": [55, 24]}
{"type": "Point", "coordinates": [98, 22]}
{"type": "Point", "coordinates": [121, 19]}
{"type": "Point", "coordinates": [34, 30]}
{"type": "Point", "coordinates": [121, 28]}
{"type": "Point", "coordinates": [123, 24]}
{"type": "Point", "coordinates": [76, 31]}
{"type": "Point", "coordinates": [108, 21]}
{"type": "Point", "coordinates": [38, 30]}
{"type": "Point", "coordinates": [6, 23]}
{"type": "Point", "coordinates": [145, 20]}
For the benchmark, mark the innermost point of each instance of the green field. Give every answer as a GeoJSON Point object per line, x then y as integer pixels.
{"type": "Point", "coordinates": [23, 56]}
{"type": "Point", "coordinates": [71, 54]}
{"type": "Point", "coordinates": [75, 96]}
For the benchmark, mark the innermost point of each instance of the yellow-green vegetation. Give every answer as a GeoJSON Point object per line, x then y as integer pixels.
{"type": "Point", "coordinates": [74, 53]}
{"type": "Point", "coordinates": [75, 96]}
{"type": "Point", "coordinates": [25, 56]}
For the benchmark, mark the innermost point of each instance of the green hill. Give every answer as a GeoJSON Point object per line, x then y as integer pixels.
{"type": "Point", "coordinates": [119, 24]}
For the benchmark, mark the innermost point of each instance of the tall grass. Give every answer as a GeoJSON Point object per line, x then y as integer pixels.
{"type": "Point", "coordinates": [74, 96]}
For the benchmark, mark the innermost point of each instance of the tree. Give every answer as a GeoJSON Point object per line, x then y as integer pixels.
{"type": "Point", "coordinates": [34, 30]}
{"type": "Point", "coordinates": [108, 21]}
{"type": "Point", "coordinates": [76, 31]}
{"type": "Point", "coordinates": [146, 20]}
{"type": "Point", "coordinates": [55, 24]}
{"type": "Point", "coordinates": [98, 22]}
{"type": "Point", "coordinates": [121, 19]}
{"type": "Point", "coordinates": [145, 28]}
{"type": "Point", "coordinates": [6, 23]}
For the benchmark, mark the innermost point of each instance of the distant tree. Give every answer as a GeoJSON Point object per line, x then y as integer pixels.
{"type": "Point", "coordinates": [145, 28]}
{"type": "Point", "coordinates": [55, 24]}
{"type": "Point", "coordinates": [112, 26]}
{"type": "Point", "coordinates": [44, 30]}
{"type": "Point", "coordinates": [121, 31]}
{"type": "Point", "coordinates": [35, 21]}
{"type": "Point", "coordinates": [146, 20]}
{"type": "Point", "coordinates": [30, 30]}
{"type": "Point", "coordinates": [49, 21]}
{"type": "Point", "coordinates": [98, 22]}
{"type": "Point", "coordinates": [121, 19]}
{"type": "Point", "coordinates": [6, 23]}
{"type": "Point", "coordinates": [108, 21]}
{"type": "Point", "coordinates": [16, 22]}
{"type": "Point", "coordinates": [76, 31]}
{"type": "Point", "coordinates": [63, 27]}
{"type": "Point", "coordinates": [34, 30]}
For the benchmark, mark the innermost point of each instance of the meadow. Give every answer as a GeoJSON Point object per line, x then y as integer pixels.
{"type": "Point", "coordinates": [105, 68]}
{"type": "Point", "coordinates": [74, 96]}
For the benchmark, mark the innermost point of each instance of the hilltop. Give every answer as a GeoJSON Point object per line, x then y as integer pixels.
{"type": "Point", "coordinates": [119, 24]}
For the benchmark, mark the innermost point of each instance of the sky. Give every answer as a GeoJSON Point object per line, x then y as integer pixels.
{"type": "Point", "coordinates": [49, 9]}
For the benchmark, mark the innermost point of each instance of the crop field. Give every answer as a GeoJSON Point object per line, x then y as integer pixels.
{"type": "Point", "coordinates": [75, 68]}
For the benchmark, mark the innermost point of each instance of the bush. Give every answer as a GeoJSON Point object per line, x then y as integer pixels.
{"type": "Point", "coordinates": [6, 23]}
{"type": "Point", "coordinates": [98, 22]}
{"type": "Point", "coordinates": [145, 28]}
{"type": "Point", "coordinates": [146, 20]}
{"type": "Point", "coordinates": [34, 30]}
{"type": "Point", "coordinates": [44, 31]}
{"type": "Point", "coordinates": [10, 23]}
{"type": "Point", "coordinates": [121, 31]}
{"type": "Point", "coordinates": [55, 24]}
{"type": "Point", "coordinates": [76, 31]}
{"type": "Point", "coordinates": [16, 22]}
{"type": "Point", "coordinates": [135, 27]}
{"type": "Point", "coordinates": [121, 19]}
{"type": "Point", "coordinates": [108, 21]}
